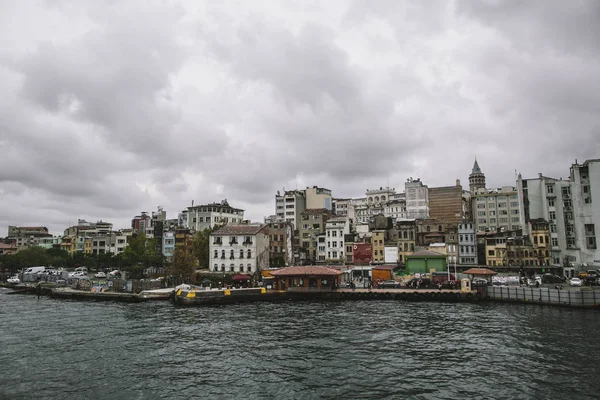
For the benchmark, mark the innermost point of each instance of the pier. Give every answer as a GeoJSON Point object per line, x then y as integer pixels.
{"type": "Point", "coordinates": [583, 298]}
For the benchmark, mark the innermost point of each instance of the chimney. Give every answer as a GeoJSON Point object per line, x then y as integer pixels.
{"type": "Point", "coordinates": [458, 182]}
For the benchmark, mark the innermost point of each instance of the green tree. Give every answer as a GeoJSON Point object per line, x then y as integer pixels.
{"type": "Point", "coordinates": [184, 263]}
{"type": "Point", "coordinates": [201, 246]}
{"type": "Point", "coordinates": [32, 256]}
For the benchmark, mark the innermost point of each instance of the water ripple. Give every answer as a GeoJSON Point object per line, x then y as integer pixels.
{"type": "Point", "coordinates": [304, 350]}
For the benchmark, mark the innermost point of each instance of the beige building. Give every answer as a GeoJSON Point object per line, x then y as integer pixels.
{"type": "Point", "coordinates": [378, 246]}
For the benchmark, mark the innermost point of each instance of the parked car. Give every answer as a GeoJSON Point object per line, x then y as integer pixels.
{"type": "Point", "coordinates": [479, 282]}
{"type": "Point", "coordinates": [390, 284]}
{"type": "Point", "coordinates": [100, 274]}
{"type": "Point", "coordinates": [575, 282]}
{"type": "Point", "coordinates": [450, 285]}
{"type": "Point", "coordinates": [419, 283]}
{"type": "Point", "coordinates": [13, 280]}
{"type": "Point", "coordinates": [549, 278]}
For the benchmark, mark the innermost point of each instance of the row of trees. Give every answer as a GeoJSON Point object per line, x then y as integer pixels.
{"type": "Point", "coordinates": [140, 253]}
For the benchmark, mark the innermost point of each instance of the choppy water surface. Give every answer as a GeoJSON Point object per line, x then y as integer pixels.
{"type": "Point", "coordinates": [348, 350]}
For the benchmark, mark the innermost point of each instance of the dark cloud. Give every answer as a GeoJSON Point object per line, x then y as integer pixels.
{"type": "Point", "coordinates": [112, 108]}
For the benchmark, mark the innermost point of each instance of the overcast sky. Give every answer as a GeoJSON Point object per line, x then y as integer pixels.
{"type": "Point", "coordinates": [109, 108]}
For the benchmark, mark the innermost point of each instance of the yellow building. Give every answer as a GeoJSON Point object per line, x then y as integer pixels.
{"type": "Point", "coordinates": [406, 240]}
{"type": "Point", "coordinates": [87, 245]}
{"type": "Point", "coordinates": [69, 244]}
{"type": "Point", "coordinates": [378, 247]}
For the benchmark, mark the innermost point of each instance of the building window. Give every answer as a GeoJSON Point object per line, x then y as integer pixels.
{"type": "Point", "coordinates": [216, 267]}
{"type": "Point", "coordinates": [552, 215]}
{"type": "Point", "coordinates": [231, 255]}
{"type": "Point", "coordinates": [590, 236]}
{"type": "Point", "coordinates": [249, 253]}
{"type": "Point", "coordinates": [222, 253]}
{"type": "Point", "coordinates": [241, 267]}
{"type": "Point", "coordinates": [550, 202]}
{"type": "Point", "coordinates": [550, 189]}
{"type": "Point", "coordinates": [232, 268]}
{"type": "Point", "coordinates": [223, 267]}
{"type": "Point", "coordinates": [216, 254]}
{"type": "Point", "coordinates": [241, 253]}
{"type": "Point", "coordinates": [249, 268]}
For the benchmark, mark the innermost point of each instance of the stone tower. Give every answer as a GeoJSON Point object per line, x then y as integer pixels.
{"type": "Point", "coordinates": [476, 179]}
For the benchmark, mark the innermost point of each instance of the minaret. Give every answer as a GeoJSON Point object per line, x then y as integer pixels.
{"type": "Point", "coordinates": [477, 178]}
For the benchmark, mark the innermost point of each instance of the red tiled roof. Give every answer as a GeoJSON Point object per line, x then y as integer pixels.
{"type": "Point", "coordinates": [479, 271]}
{"type": "Point", "coordinates": [385, 267]}
{"type": "Point", "coordinates": [307, 270]}
{"type": "Point", "coordinates": [239, 230]}
{"type": "Point", "coordinates": [425, 253]}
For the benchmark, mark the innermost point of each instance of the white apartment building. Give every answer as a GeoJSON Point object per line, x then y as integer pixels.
{"type": "Point", "coordinates": [206, 216]}
{"type": "Point", "coordinates": [417, 199]}
{"type": "Point", "coordinates": [379, 201]}
{"type": "Point", "coordinates": [396, 209]}
{"type": "Point", "coordinates": [467, 244]}
{"type": "Point", "coordinates": [321, 247]}
{"type": "Point", "coordinates": [568, 206]}
{"type": "Point", "coordinates": [335, 229]}
{"type": "Point", "coordinates": [542, 198]}
{"type": "Point", "coordinates": [585, 188]}
{"type": "Point", "coordinates": [239, 249]}
{"type": "Point", "coordinates": [290, 205]}
{"type": "Point", "coordinates": [495, 209]}
{"type": "Point", "coordinates": [345, 208]}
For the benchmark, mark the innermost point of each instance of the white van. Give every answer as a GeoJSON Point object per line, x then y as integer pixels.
{"type": "Point", "coordinates": [32, 274]}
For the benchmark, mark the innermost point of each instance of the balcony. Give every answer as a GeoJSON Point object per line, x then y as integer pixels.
{"type": "Point", "coordinates": [232, 242]}
{"type": "Point", "coordinates": [218, 242]}
{"type": "Point", "coordinates": [247, 243]}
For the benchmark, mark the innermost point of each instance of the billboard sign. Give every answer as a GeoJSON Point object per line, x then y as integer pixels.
{"type": "Point", "coordinates": [391, 255]}
{"type": "Point", "coordinates": [362, 253]}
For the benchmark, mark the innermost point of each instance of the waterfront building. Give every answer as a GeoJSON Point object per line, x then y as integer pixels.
{"type": "Point", "coordinates": [206, 216]}
{"type": "Point", "coordinates": [424, 261]}
{"type": "Point", "coordinates": [384, 201]}
{"type": "Point", "coordinates": [7, 249]}
{"type": "Point", "coordinates": [344, 208]}
{"type": "Point", "coordinates": [493, 209]}
{"type": "Point", "coordinates": [378, 246]}
{"type": "Point", "coordinates": [290, 205]}
{"type": "Point", "coordinates": [240, 248]}
{"type": "Point", "coordinates": [567, 206]}
{"type": "Point", "coordinates": [168, 245]}
{"type": "Point", "coordinates": [407, 233]}
{"type": "Point", "coordinates": [280, 244]}
{"type": "Point", "coordinates": [496, 209]}
{"type": "Point", "coordinates": [335, 229]}
{"type": "Point", "coordinates": [585, 188]}
{"type": "Point", "coordinates": [306, 278]}
{"type": "Point", "coordinates": [312, 224]}
{"type": "Point", "coordinates": [467, 245]}
{"type": "Point", "coordinates": [512, 251]}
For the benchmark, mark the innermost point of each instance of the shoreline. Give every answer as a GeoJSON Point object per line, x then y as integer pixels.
{"type": "Point", "coordinates": [585, 299]}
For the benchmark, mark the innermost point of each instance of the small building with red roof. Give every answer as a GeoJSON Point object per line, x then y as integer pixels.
{"type": "Point", "coordinates": [306, 278]}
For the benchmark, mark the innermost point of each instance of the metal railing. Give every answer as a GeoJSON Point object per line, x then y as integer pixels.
{"type": "Point", "coordinates": [574, 298]}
